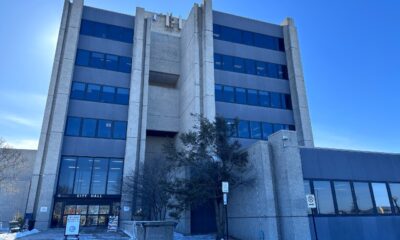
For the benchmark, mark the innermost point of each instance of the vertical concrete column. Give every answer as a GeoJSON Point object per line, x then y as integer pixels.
{"type": "Point", "coordinates": [297, 86]}
{"type": "Point", "coordinates": [207, 60]}
{"type": "Point", "coordinates": [137, 111]}
{"type": "Point", "coordinates": [289, 187]}
{"type": "Point", "coordinates": [47, 161]}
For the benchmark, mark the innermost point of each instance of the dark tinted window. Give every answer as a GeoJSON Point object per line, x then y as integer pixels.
{"type": "Point", "coordinates": [108, 94]}
{"type": "Point", "coordinates": [82, 57]}
{"type": "Point", "coordinates": [286, 101]}
{"type": "Point", "coordinates": [344, 198]}
{"type": "Point", "coordinates": [115, 176]}
{"type": "Point", "coordinates": [217, 61]}
{"type": "Point", "coordinates": [216, 31]}
{"type": "Point", "coordinates": [250, 66]}
{"type": "Point", "coordinates": [93, 92]}
{"type": "Point", "coordinates": [78, 90]}
{"type": "Point", "coordinates": [323, 193]}
{"type": "Point", "coordinates": [275, 100]}
{"type": "Point", "coordinates": [267, 129]}
{"type": "Point", "coordinates": [218, 93]}
{"type": "Point", "coordinates": [107, 31]}
{"type": "Point", "coordinates": [119, 131]}
{"type": "Point", "coordinates": [363, 198]}
{"type": "Point", "coordinates": [231, 34]}
{"type": "Point", "coordinates": [278, 127]}
{"type": "Point", "coordinates": [228, 94]}
{"type": "Point", "coordinates": [88, 127]}
{"type": "Point", "coordinates": [122, 96]}
{"type": "Point", "coordinates": [263, 99]}
{"type": "Point", "coordinates": [66, 178]}
{"type": "Point", "coordinates": [381, 198]}
{"type": "Point", "coordinates": [273, 70]}
{"type": "Point", "coordinates": [261, 68]}
{"type": "Point", "coordinates": [252, 97]}
{"type": "Point", "coordinates": [232, 128]}
{"type": "Point", "coordinates": [83, 175]}
{"type": "Point", "coordinates": [125, 64]}
{"type": "Point", "coordinates": [97, 60]}
{"type": "Point", "coordinates": [73, 126]}
{"type": "Point", "coordinates": [243, 129]}
{"type": "Point", "coordinates": [247, 38]}
{"type": "Point", "coordinates": [99, 176]}
{"type": "Point", "coordinates": [227, 63]}
{"type": "Point", "coordinates": [395, 192]}
{"type": "Point", "coordinates": [240, 95]}
{"type": "Point", "coordinates": [255, 128]}
{"type": "Point", "coordinates": [104, 129]}
{"type": "Point", "coordinates": [100, 30]}
{"type": "Point", "coordinates": [111, 62]}
{"type": "Point", "coordinates": [238, 65]}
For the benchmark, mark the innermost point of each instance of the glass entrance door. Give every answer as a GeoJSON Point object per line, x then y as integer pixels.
{"type": "Point", "coordinates": [92, 213]}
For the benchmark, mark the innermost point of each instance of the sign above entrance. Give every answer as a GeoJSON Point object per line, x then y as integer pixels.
{"type": "Point", "coordinates": [72, 227]}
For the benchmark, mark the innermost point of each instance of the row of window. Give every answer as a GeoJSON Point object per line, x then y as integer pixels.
{"type": "Point", "coordinates": [99, 93]}
{"type": "Point", "coordinates": [95, 128]}
{"type": "Point", "coordinates": [345, 197]}
{"type": "Point", "coordinates": [103, 61]}
{"type": "Point", "coordinates": [102, 30]}
{"type": "Point", "coordinates": [86, 175]}
{"type": "Point", "coordinates": [253, 129]}
{"type": "Point", "coordinates": [248, 38]}
{"type": "Point", "coordinates": [254, 97]}
{"type": "Point", "coordinates": [249, 66]}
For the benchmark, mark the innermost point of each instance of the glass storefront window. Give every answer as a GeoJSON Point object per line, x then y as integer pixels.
{"type": "Point", "coordinates": [83, 175]}
{"type": "Point", "coordinates": [92, 220]}
{"type": "Point", "coordinates": [69, 209]}
{"type": "Point", "coordinates": [104, 209]}
{"type": "Point", "coordinates": [94, 209]}
{"type": "Point", "coordinates": [115, 176]}
{"type": "Point", "coordinates": [99, 176]}
{"type": "Point", "coordinates": [67, 172]}
{"type": "Point", "coordinates": [81, 209]}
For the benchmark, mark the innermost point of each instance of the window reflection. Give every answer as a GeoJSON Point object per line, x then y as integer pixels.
{"type": "Point", "coordinates": [363, 198]}
{"type": "Point", "coordinates": [344, 197]}
{"type": "Point", "coordinates": [83, 175]}
{"type": "Point", "coordinates": [395, 191]}
{"type": "Point", "coordinates": [323, 195]}
{"type": "Point", "coordinates": [381, 198]}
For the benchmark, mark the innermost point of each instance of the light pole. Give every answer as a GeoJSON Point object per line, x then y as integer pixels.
{"type": "Point", "coordinates": [225, 190]}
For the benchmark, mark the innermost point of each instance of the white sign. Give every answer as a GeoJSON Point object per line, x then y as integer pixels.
{"type": "Point", "coordinates": [72, 227]}
{"type": "Point", "coordinates": [225, 187]}
{"type": "Point", "coordinates": [112, 224]}
{"type": "Point", "coordinates": [43, 209]}
{"type": "Point", "coordinates": [126, 208]}
{"type": "Point", "coordinates": [311, 201]}
{"type": "Point", "coordinates": [225, 199]}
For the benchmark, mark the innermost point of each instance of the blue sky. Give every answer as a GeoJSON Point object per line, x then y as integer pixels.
{"type": "Point", "coordinates": [350, 52]}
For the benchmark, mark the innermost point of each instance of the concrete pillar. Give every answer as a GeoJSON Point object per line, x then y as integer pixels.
{"type": "Point", "coordinates": [297, 86]}
{"type": "Point", "coordinates": [40, 201]}
{"type": "Point", "coordinates": [137, 111]}
{"type": "Point", "coordinates": [289, 188]}
{"type": "Point", "coordinates": [207, 60]}
{"type": "Point", "coordinates": [252, 208]}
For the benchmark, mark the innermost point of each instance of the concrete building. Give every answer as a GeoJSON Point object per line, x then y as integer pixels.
{"type": "Point", "coordinates": [123, 84]}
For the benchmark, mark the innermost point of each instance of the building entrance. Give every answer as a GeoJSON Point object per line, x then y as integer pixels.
{"type": "Point", "coordinates": [94, 213]}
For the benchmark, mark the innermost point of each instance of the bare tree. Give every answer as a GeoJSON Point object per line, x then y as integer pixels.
{"type": "Point", "coordinates": [10, 161]}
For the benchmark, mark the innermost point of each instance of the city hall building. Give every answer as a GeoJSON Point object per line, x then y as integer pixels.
{"type": "Point", "coordinates": [123, 85]}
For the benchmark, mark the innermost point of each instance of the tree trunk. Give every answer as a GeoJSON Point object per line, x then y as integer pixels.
{"type": "Point", "coordinates": [220, 220]}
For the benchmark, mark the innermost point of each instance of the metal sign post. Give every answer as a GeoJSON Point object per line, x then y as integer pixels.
{"type": "Point", "coordinates": [312, 204]}
{"type": "Point", "coordinates": [225, 190]}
